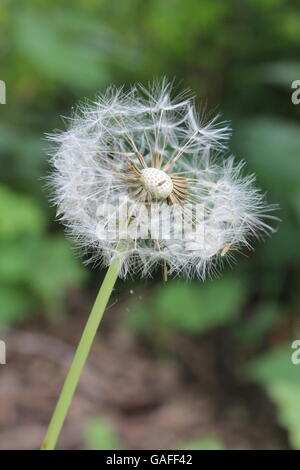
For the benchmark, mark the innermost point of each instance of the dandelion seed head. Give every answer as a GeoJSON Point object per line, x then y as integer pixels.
{"type": "Point", "coordinates": [144, 148]}
{"type": "Point", "coordinates": [157, 183]}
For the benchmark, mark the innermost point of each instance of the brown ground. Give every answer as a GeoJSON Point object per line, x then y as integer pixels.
{"type": "Point", "coordinates": [154, 403]}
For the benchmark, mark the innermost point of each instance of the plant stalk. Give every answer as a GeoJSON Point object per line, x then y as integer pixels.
{"type": "Point", "coordinates": [80, 356]}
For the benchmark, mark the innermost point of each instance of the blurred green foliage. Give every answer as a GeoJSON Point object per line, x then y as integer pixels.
{"type": "Point", "coordinates": [203, 443]}
{"type": "Point", "coordinates": [250, 332]}
{"type": "Point", "coordinates": [176, 306]}
{"type": "Point", "coordinates": [276, 372]}
{"type": "Point", "coordinates": [100, 434]}
{"type": "Point", "coordinates": [36, 268]}
{"type": "Point", "coordinates": [239, 57]}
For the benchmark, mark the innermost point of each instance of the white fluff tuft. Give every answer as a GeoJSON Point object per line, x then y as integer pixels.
{"type": "Point", "coordinates": [91, 161]}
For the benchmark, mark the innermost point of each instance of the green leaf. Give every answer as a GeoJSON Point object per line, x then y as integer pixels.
{"type": "Point", "coordinates": [286, 397]}
{"type": "Point", "coordinates": [252, 330]}
{"type": "Point", "coordinates": [198, 307]}
{"type": "Point", "coordinates": [281, 378]}
{"type": "Point", "coordinates": [275, 365]}
{"type": "Point", "coordinates": [100, 435]}
{"type": "Point", "coordinates": [15, 304]}
{"type": "Point", "coordinates": [43, 268]}
{"type": "Point", "coordinates": [16, 264]}
{"type": "Point", "coordinates": [55, 269]}
{"type": "Point", "coordinates": [63, 49]}
{"type": "Point", "coordinates": [203, 443]}
{"type": "Point", "coordinates": [20, 215]}
{"type": "Point", "coordinates": [272, 147]}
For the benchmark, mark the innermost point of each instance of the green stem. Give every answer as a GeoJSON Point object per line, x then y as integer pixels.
{"type": "Point", "coordinates": [80, 357]}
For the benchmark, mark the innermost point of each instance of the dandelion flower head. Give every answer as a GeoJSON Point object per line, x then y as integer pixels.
{"type": "Point", "coordinates": [139, 174]}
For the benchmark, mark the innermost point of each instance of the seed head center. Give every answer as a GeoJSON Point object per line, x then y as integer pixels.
{"type": "Point", "coordinates": [157, 183]}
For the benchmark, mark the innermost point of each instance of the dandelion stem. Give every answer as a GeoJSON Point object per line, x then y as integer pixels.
{"type": "Point", "coordinates": [80, 357]}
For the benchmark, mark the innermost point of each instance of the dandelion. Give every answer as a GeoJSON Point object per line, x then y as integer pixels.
{"type": "Point", "coordinates": [132, 152]}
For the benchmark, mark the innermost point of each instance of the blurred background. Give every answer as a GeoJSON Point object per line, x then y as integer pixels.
{"type": "Point", "coordinates": [181, 365]}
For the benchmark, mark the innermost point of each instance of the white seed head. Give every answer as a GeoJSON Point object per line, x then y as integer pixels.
{"type": "Point", "coordinates": [157, 182]}
{"type": "Point", "coordinates": [143, 148]}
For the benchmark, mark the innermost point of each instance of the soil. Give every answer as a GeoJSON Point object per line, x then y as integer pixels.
{"type": "Point", "coordinates": [153, 400]}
